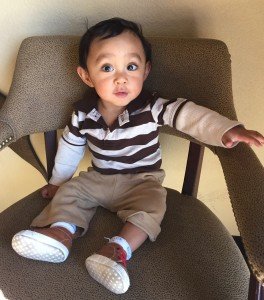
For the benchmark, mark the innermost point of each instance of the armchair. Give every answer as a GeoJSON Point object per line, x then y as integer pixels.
{"type": "Point", "coordinates": [194, 257]}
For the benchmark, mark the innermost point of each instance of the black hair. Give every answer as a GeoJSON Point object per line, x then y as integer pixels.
{"type": "Point", "coordinates": [107, 29]}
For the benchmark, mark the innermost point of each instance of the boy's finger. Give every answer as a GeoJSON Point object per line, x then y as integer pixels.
{"type": "Point", "coordinates": [257, 136]}
{"type": "Point", "coordinates": [258, 143]}
{"type": "Point", "coordinates": [255, 141]}
{"type": "Point", "coordinates": [229, 143]}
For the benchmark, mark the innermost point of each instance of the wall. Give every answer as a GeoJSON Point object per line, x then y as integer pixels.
{"type": "Point", "coordinates": [239, 23]}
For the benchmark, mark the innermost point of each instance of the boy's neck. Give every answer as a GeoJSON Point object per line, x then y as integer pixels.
{"type": "Point", "coordinates": [109, 113]}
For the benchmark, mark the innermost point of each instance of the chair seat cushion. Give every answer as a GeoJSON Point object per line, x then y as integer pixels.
{"type": "Point", "coordinates": [194, 257]}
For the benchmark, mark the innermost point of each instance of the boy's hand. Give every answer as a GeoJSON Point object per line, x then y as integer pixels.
{"type": "Point", "coordinates": [49, 191]}
{"type": "Point", "coordinates": [241, 134]}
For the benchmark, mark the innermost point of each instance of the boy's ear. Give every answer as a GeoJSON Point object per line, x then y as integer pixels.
{"type": "Point", "coordinates": [147, 70]}
{"type": "Point", "coordinates": [85, 76]}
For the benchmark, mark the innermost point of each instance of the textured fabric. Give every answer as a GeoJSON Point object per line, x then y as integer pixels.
{"type": "Point", "coordinates": [7, 134]}
{"type": "Point", "coordinates": [25, 150]}
{"type": "Point", "coordinates": [2, 99]}
{"type": "Point", "coordinates": [196, 69]}
{"type": "Point", "coordinates": [194, 257]}
{"type": "Point", "coordinates": [23, 147]}
{"type": "Point", "coordinates": [137, 198]}
{"type": "Point", "coordinates": [206, 79]}
{"type": "Point", "coordinates": [245, 177]}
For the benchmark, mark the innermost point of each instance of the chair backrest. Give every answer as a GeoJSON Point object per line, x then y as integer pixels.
{"type": "Point", "coordinates": [45, 82]}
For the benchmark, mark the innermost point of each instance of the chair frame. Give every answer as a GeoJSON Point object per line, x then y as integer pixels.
{"type": "Point", "coordinates": [190, 188]}
{"type": "Point", "coordinates": [190, 185]}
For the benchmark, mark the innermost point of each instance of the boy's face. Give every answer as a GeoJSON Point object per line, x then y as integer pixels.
{"type": "Point", "coordinates": [116, 68]}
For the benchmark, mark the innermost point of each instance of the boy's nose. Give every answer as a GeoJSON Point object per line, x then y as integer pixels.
{"type": "Point", "coordinates": [120, 79]}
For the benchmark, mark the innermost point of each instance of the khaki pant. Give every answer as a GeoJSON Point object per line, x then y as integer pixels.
{"type": "Point", "coordinates": [137, 198]}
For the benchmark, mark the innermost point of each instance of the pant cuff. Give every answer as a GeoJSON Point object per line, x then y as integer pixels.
{"type": "Point", "coordinates": [145, 222]}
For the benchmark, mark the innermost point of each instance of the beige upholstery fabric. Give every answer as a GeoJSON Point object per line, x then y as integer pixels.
{"type": "Point", "coordinates": [2, 99]}
{"type": "Point", "coordinates": [201, 257]}
{"type": "Point", "coordinates": [42, 63]}
{"type": "Point", "coordinates": [244, 175]}
{"type": "Point", "coordinates": [193, 258]}
{"type": "Point", "coordinates": [24, 149]}
{"type": "Point", "coordinates": [196, 69]}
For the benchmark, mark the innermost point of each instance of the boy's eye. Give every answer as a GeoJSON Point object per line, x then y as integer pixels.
{"type": "Point", "coordinates": [132, 67]}
{"type": "Point", "coordinates": [107, 68]}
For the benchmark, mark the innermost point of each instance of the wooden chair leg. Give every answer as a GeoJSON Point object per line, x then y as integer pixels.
{"type": "Point", "coordinates": [51, 149]}
{"type": "Point", "coordinates": [256, 290]}
{"type": "Point", "coordinates": [193, 170]}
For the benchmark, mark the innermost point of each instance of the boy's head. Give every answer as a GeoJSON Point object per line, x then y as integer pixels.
{"type": "Point", "coordinates": [115, 61]}
{"type": "Point", "coordinates": [107, 29]}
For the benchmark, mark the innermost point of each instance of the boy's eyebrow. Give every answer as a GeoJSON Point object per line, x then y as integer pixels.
{"type": "Point", "coordinates": [136, 55]}
{"type": "Point", "coordinates": [102, 56]}
{"type": "Point", "coordinates": [109, 55]}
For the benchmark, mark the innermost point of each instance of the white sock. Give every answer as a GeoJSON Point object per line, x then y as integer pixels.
{"type": "Point", "coordinates": [123, 243]}
{"type": "Point", "coordinates": [71, 227]}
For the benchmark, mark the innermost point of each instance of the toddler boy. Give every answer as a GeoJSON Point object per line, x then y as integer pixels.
{"type": "Point", "coordinates": [119, 123]}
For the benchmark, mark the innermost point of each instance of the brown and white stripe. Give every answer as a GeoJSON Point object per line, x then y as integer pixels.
{"type": "Point", "coordinates": [131, 144]}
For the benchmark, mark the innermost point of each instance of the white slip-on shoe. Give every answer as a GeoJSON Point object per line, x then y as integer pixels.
{"type": "Point", "coordinates": [45, 245]}
{"type": "Point", "coordinates": [108, 267]}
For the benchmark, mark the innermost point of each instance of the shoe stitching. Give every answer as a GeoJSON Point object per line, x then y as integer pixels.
{"type": "Point", "coordinates": [69, 239]}
{"type": "Point", "coordinates": [118, 253]}
{"type": "Point", "coordinates": [68, 235]}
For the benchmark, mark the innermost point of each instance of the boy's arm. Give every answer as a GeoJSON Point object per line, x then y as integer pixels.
{"type": "Point", "coordinates": [215, 129]}
{"type": "Point", "coordinates": [66, 161]}
{"type": "Point", "coordinates": [204, 124]}
{"type": "Point", "coordinates": [70, 151]}
{"type": "Point", "coordinates": [201, 123]}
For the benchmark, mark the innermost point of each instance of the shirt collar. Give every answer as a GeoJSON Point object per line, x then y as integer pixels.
{"type": "Point", "coordinates": [89, 102]}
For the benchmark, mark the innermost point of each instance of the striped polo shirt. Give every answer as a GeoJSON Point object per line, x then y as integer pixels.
{"type": "Point", "coordinates": [131, 143]}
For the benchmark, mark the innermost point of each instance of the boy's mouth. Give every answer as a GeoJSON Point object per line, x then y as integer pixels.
{"type": "Point", "coordinates": [121, 94]}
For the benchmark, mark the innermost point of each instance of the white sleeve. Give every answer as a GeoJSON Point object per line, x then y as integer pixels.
{"type": "Point", "coordinates": [66, 162]}
{"type": "Point", "coordinates": [70, 151]}
{"type": "Point", "coordinates": [204, 124]}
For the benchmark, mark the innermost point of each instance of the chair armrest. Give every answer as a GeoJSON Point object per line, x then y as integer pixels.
{"type": "Point", "coordinates": [6, 135]}
{"type": "Point", "coordinates": [22, 147]}
{"type": "Point", "coordinates": [244, 175]}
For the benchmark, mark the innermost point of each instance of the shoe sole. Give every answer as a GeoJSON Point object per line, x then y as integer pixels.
{"type": "Point", "coordinates": [37, 246]}
{"type": "Point", "coordinates": [108, 273]}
